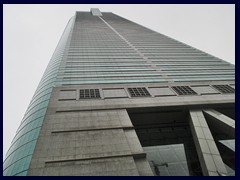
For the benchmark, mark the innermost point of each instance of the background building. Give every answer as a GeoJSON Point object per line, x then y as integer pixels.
{"type": "Point", "coordinates": [120, 99]}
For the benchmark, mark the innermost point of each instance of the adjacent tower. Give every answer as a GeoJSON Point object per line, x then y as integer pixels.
{"type": "Point", "coordinates": [120, 99]}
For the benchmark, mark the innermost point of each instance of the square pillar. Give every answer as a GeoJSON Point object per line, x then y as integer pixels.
{"type": "Point", "coordinates": [208, 154]}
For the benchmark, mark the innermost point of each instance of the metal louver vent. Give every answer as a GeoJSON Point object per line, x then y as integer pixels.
{"type": "Point", "coordinates": [184, 90]}
{"type": "Point", "coordinates": [225, 89]}
{"type": "Point", "coordinates": [138, 92]}
{"type": "Point", "coordinates": [89, 94]}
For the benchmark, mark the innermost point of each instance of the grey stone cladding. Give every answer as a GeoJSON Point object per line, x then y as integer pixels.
{"type": "Point", "coordinates": [113, 67]}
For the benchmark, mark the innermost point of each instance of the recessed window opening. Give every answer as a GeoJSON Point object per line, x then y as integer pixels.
{"type": "Point", "coordinates": [167, 140]}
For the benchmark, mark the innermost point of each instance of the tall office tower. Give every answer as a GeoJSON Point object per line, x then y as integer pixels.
{"type": "Point", "coordinates": [120, 99]}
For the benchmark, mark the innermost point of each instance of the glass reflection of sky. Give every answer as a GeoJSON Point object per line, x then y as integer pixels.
{"type": "Point", "coordinates": [230, 143]}
{"type": "Point", "coordinates": [170, 160]}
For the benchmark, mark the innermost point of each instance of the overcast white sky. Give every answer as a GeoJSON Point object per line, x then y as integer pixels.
{"type": "Point", "coordinates": [31, 33]}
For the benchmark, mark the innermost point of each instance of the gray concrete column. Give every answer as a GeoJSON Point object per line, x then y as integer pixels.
{"type": "Point", "coordinates": [220, 121]}
{"type": "Point", "coordinates": [208, 154]}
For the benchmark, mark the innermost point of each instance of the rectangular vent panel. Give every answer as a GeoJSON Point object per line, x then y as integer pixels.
{"type": "Point", "coordinates": [225, 89]}
{"type": "Point", "coordinates": [184, 90]}
{"type": "Point", "coordinates": [138, 92]}
{"type": "Point", "coordinates": [89, 94]}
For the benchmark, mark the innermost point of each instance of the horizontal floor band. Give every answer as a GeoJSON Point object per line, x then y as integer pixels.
{"type": "Point", "coordinates": [209, 93]}
{"type": "Point", "coordinates": [96, 109]}
{"type": "Point", "coordinates": [165, 95]}
{"type": "Point", "coordinates": [134, 155]}
{"type": "Point", "coordinates": [95, 129]}
{"type": "Point", "coordinates": [67, 99]}
{"type": "Point", "coordinates": [199, 103]}
{"type": "Point", "coordinates": [116, 97]}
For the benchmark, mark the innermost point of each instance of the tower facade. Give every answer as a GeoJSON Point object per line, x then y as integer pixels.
{"type": "Point", "coordinates": [120, 99]}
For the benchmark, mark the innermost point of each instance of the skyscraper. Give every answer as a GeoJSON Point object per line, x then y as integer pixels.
{"type": "Point", "coordinates": [120, 99]}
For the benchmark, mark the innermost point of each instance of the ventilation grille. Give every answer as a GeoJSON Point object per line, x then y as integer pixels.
{"type": "Point", "coordinates": [139, 92]}
{"type": "Point", "coordinates": [89, 94]}
{"type": "Point", "coordinates": [184, 90]}
{"type": "Point", "coordinates": [225, 89]}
